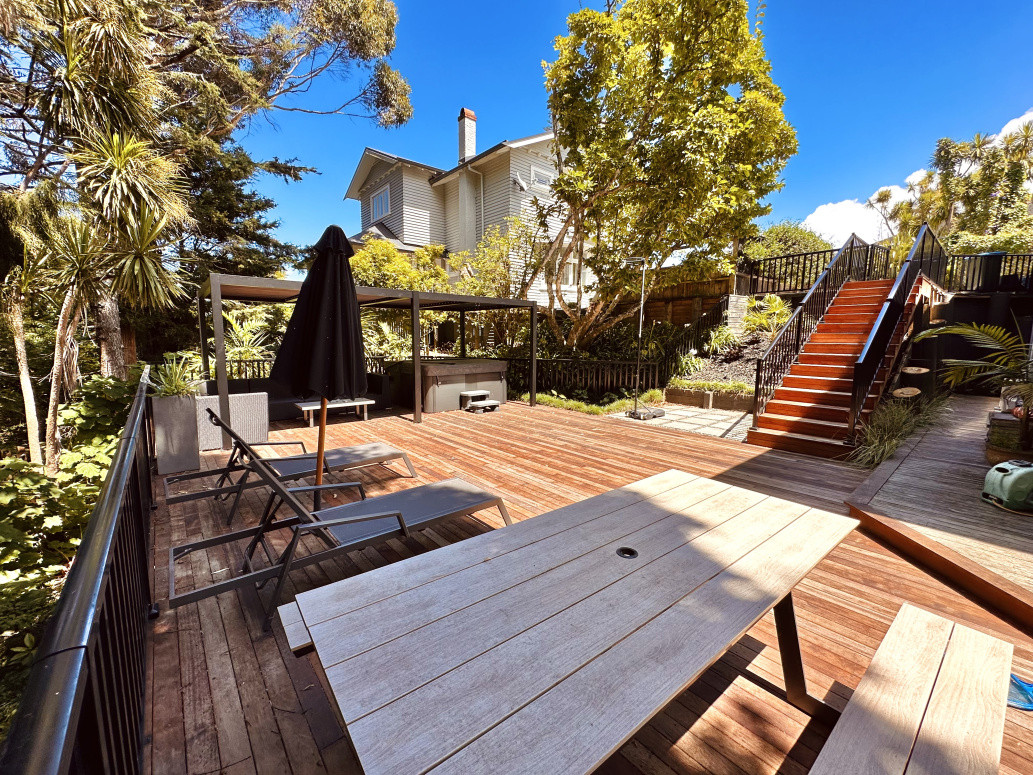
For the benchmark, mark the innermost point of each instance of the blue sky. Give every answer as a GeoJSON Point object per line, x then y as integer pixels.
{"type": "Point", "coordinates": [870, 86]}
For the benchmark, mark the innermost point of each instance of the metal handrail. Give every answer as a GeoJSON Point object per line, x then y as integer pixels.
{"type": "Point", "coordinates": [927, 258]}
{"type": "Point", "coordinates": [787, 345]}
{"type": "Point", "coordinates": [85, 692]}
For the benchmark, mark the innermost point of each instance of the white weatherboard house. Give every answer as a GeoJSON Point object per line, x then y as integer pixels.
{"type": "Point", "coordinates": [412, 204]}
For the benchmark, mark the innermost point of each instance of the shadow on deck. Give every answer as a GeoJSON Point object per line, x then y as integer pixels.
{"type": "Point", "coordinates": [224, 696]}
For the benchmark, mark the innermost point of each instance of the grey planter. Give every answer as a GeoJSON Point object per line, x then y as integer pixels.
{"type": "Point", "coordinates": [175, 433]}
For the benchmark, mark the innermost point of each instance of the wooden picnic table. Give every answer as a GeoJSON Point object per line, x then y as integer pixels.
{"type": "Point", "coordinates": [544, 646]}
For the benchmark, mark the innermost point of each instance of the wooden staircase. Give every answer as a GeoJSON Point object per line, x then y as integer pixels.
{"type": "Point", "coordinates": [809, 411]}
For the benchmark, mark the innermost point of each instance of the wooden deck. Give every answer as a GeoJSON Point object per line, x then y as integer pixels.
{"type": "Point", "coordinates": [226, 697]}
{"type": "Point", "coordinates": [932, 486]}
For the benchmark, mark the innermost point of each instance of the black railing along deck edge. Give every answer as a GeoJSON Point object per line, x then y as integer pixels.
{"type": "Point", "coordinates": [82, 710]}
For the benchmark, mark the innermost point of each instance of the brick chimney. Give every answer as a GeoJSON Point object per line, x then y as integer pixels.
{"type": "Point", "coordinates": [467, 135]}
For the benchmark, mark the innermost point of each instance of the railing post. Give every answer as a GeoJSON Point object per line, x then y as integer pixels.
{"type": "Point", "coordinates": [990, 275]}
{"type": "Point", "coordinates": [533, 368]}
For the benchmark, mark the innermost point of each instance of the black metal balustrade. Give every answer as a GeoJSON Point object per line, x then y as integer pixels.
{"type": "Point", "coordinates": [82, 711]}
{"type": "Point", "coordinates": [990, 273]}
{"type": "Point", "coordinates": [927, 258]}
{"type": "Point", "coordinates": [852, 261]}
{"type": "Point", "coordinates": [789, 274]}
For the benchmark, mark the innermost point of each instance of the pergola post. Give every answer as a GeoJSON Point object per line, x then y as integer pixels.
{"type": "Point", "coordinates": [417, 372]}
{"type": "Point", "coordinates": [534, 354]}
{"type": "Point", "coordinates": [462, 333]}
{"type": "Point", "coordinates": [221, 379]}
{"type": "Point", "coordinates": [201, 327]}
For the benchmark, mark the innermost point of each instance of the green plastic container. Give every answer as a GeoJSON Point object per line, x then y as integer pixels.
{"type": "Point", "coordinates": [1010, 485]}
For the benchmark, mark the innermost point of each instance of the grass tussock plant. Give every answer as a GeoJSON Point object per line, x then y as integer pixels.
{"type": "Point", "coordinates": [890, 425]}
{"type": "Point", "coordinates": [730, 388]}
{"type": "Point", "coordinates": [650, 397]}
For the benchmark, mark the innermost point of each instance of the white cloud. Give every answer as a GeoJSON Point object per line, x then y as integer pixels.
{"type": "Point", "coordinates": [915, 177]}
{"type": "Point", "coordinates": [835, 221]}
{"type": "Point", "coordinates": [1014, 124]}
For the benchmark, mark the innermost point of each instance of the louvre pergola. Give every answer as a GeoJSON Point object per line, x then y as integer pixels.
{"type": "Point", "coordinates": [225, 287]}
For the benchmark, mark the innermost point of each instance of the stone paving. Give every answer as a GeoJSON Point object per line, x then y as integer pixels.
{"type": "Point", "coordinates": [709, 422]}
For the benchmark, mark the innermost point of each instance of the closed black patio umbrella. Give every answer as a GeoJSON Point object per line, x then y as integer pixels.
{"type": "Point", "coordinates": [321, 354]}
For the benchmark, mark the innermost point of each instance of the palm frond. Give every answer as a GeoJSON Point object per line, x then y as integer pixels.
{"type": "Point", "coordinates": [984, 336]}
{"type": "Point", "coordinates": [140, 275]}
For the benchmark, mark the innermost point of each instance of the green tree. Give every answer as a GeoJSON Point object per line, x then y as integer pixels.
{"type": "Point", "coordinates": [785, 238]}
{"type": "Point", "coordinates": [379, 264]}
{"type": "Point", "coordinates": [98, 96]}
{"type": "Point", "coordinates": [503, 266]}
{"type": "Point", "coordinates": [669, 133]}
{"type": "Point", "coordinates": [975, 196]}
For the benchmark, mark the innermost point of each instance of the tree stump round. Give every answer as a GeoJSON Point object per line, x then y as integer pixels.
{"type": "Point", "coordinates": [916, 377]}
{"type": "Point", "coordinates": [909, 394]}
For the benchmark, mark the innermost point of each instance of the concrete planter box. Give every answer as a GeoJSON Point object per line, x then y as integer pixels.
{"type": "Point", "coordinates": [175, 433]}
{"type": "Point", "coordinates": [710, 400]}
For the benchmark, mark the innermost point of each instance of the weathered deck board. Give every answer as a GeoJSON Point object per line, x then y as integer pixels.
{"type": "Point", "coordinates": [268, 707]}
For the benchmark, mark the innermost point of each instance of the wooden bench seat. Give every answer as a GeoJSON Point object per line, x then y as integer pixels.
{"type": "Point", "coordinates": [932, 702]}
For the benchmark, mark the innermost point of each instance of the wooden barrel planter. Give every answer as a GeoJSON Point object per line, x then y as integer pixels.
{"type": "Point", "coordinates": [1003, 439]}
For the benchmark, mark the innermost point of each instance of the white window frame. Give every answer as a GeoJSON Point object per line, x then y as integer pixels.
{"type": "Point", "coordinates": [373, 206]}
{"type": "Point", "coordinates": [570, 271]}
{"type": "Point", "coordinates": [538, 170]}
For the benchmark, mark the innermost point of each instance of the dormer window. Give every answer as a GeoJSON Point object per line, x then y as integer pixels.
{"type": "Point", "coordinates": [380, 203]}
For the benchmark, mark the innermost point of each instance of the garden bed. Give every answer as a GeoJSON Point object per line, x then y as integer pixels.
{"type": "Point", "coordinates": [711, 399]}
{"type": "Point", "coordinates": [737, 364]}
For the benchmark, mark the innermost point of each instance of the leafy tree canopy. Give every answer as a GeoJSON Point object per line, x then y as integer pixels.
{"type": "Point", "coordinates": [785, 238]}
{"type": "Point", "coordinates": [669, 134]}
{"type": "Point", "coordinates": [976, 196]}
{"type": "Point", "coordinates": [379, 264]}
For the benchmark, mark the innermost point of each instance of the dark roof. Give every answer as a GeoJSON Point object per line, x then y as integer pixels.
{"type": "Point", "coordinates": [380, 231]}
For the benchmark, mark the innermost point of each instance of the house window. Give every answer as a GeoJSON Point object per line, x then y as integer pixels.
{"type": "Point", "coordinates": [541, 178]}
{"type": "Point", "coordinates": [380, 203]}
{"type": "Point", "coordinates": [570, 274]}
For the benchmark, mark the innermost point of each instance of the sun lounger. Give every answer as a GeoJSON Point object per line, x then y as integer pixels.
{"type": "Point", "coordinates": [342, 528]}
{"type": "Point", "coordinates": [287, 469]}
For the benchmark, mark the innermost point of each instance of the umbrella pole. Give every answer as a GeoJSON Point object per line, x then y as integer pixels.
{"type": "Point", "coordinates": [320, 449]}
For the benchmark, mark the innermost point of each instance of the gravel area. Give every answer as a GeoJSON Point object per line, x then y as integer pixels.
{"type": "Point", "coordinates": [737, 366]}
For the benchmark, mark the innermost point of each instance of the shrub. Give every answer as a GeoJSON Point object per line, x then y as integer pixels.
{"type": "Point", "coordinates": [767, 315]}
{"type": "Point", "coordinates": [42, 520]}
{"type": "Point", "coordinates": [731, 388]}
{"type": "Point", "coordinates": [690, 363]}
{"type": "Point", "coordinates": [650, 397]}
{"type": "Point", "coordinates": [723, 340]}
{"type": "Point", "coordinates": [175, 377]}
{"type": "Point", "coordinates": [889, 425]}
